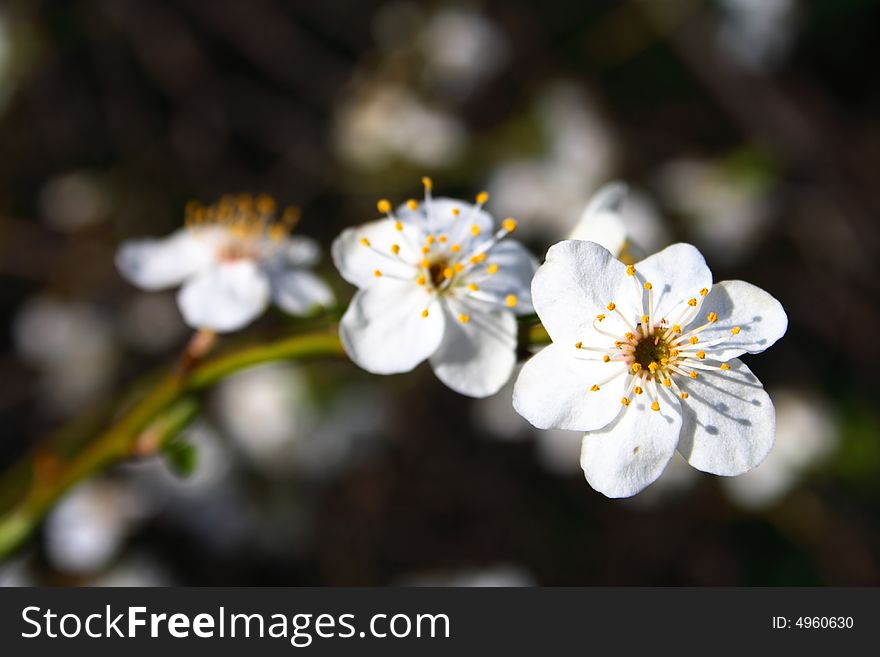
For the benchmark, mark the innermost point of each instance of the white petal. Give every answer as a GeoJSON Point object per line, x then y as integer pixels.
{"type": "Point", "coordinates": [553, 390]}
{"type": "Point", "coordinates": [439, 217]}
{"type": "Point", "coordinates": [156, 264]}
{"type": "Point", "coordinates": [383, 330]}
{"type": "Point", "coordinates": [225, 297]}
{"type": "Point", "coordinates": [632, 452]}
{"type": "Point", "coordinates": [729, 421]}
{"type": "Point", "coordinates": [298, 251]}
{"type": "Point", "coordinates": [476, 358]}
{"type": "Point", "coordinates": [516, 268]}
{"type": "Point", "coordinates": [358, 263]}
{"type": "Point", "coordinates": [760, 318]}
{"type": "Point", "coordinates": [299, 292]}
{"type": "Point", "coordinates": [678, 273]}
{"type": "Point", "coordinates": [601, 221]}
{"type": "Point", "coordinates": [575, 283]}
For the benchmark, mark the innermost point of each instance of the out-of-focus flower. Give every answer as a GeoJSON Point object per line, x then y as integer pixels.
{"type": "Point", "coordinates": [74, 347]}
{"type": "Point", "coordinates": [152, 323]}
{"type": "Point", "coordinates": [806, 434]}
{"type": "Point", "coordinates": [551, 189]}
{"type": "Point", "coordinates": [73, 201]}
{"type": "Point", "coordinates": [724, 204]}
{"type": "Point", "coordinates": [89, 526]}
{"type": "Point", "coordinates": [16, 573]}
{"type": "Point", "coordinates": [489, 576]}
{"type": "Point", "coordinates": [626, 224]}
{"type": "Point", "coordinates": [384, 123]}
{"type": "Point", "coordinates": [758, 33]}
{"type": "Point", "coordinates": [436, 281]}
{"type": "Point", "coordinates": [232, 259]}
{"type": "Point", "coordinates": [138, 569]}
{"type": "Point", "coordinates": [461, 48]}
{"type": "Point", "coordinates": [658, 371]}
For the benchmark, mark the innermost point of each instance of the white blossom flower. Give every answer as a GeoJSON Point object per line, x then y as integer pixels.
{"type": "Point", "coordinates": [644, 360]}
{"type": "Point", "coordinates": [231, 259]}
{"type": "Point", "coordinates": [437, 282]}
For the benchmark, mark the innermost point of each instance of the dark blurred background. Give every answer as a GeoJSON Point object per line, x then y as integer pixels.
{"type": "Point", "coordinates": [747, 127]}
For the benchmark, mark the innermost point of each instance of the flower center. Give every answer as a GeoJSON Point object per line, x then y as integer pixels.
{"type": "Point", "coordinates": [438, 270]}
{"type": "Point", "coordinates": [652, 349]}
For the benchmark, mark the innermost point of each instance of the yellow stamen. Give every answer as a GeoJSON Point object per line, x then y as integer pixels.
{"type": "Point", "coordinates": [611, 306]}
{"type": "Point", "coordinates": [653, 367]}
{"type": "Point", "coordinates": [704, 291]}
{"type": "Point", "coordinates": [735, 330]}
{"type": "Point", "coordinates": [384, 206]}
{"type": "Point", "coordinates": [426, 250]}
{"type": "Point", "coordinates": [377, 273]}
{"type": "Point", "coordinates": [365, 241]}
{"type": "Point", "coordinates": [712, 317]}
{"type": "Point", "coordinates": [455, 248]}
{"type": "Point", "coordinates": [455, 212]}
{"type": "Point", "coordinates": [425, 312]}
{"type": "Point", "coordinates": [606, 358]}
{"type": "Point", "coordinates": [482, 197]}
{"type": "Point", "coordinates": [630, 270]}
{"type": "Point", "coordinates": [492, 268]}
{"type": "Point", "coordinates": [510, 300]}
{"type": "Point", "coordinates": [692, 302]}
{"type": "Point", "coordinates": [448, 273]}
{"type": "Point", "coordinates": [655, 406]}
{"type": "Point", "coordinates": [694, 339]}
{"type": "Point", "coordinates": [458, 267]}
{"type": "Point", "coordinates": [667, 383]}
{"type": "Point", "coordinates": [412, 204]}
{"type": "Point", "coordinates": [676, 328]}
{"type": "Point", "coordinates": [725, 366]}
{"type": "Point", "coordinates": [421, 280]}
{"type": "Point", "coordinates": [624, 401]}
{"type": "Point", "coordinates": [464, 319]}
{"type": "Point", "coordinates": [475, 230]}
{"type": "Point", "coordinates": [473, 287]}
{"type": "Point", "coordinates": [395, 249]}
{"type": "Point", "coordinates": [600, 317]}
{"type": "Point", "coordinates": [430, 239]}
{"type": "Point", "coordinates": [509, 224]}
{"type": "Point", "coordinates": [478, 258]}
{"type": "Point", "coordinates": [428, 183]}
{"type": "Point", "coordinates": [424, 263]}
{"type": "Point", "coordinates": [635, 368]}
{"type": "Point", "coordinates": [683, 395]}
{"type": "Point", "coordinates": [398, 226]}
{"type": "Point", "coordinates": [701, 354]}
{"type": "Point", "coordinates": [648, 286]}
{"type": "Point", "coordinates": [578, 345]}
{"type": "Point", "coordinates": [442, 239]}
{"type": "Point", "coordinates": [638, 390]}
{"type": "Point", "coordinates": [693, 375]}
{"type": "Point", "coordinates": [594, 388]}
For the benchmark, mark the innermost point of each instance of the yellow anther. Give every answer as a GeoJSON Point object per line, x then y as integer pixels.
{"type": "Point", "coordinates": [630, 270]}
{"type": "Point", "coordinates": [492, 268]}
{"type": "Point", "coordinates": [430, 239]}
{"type": "Point", "coordinates": [365, 241]}
{"type": "Point", "coordinates": [628, 335]}
{"type": "Point", "coordinates": [725, 366]}
{"type": "Point", "coordinates": [653, 367]}
{"type": "Point", "coordinates": [398, 226]}
{"type": "Point", "coordinates": [684, 395]}
{"type": "Point", "coordinates": [606, 358]}
{"type": "Point", "coordinates": [473, 287]}
{"type": "Point", "coordinates": [377, 273]}
{"type": "Point", "coordinates": [266, 204]}
{"type": "Point", "coordinates": [510, 300]}
{"type": "Point", "coordinates": [421, 280]}
{"type": "Point", "coordinates": [425, 312]}
{"type": "Point", "coordinates": [412, 204]}
{"type": "Point", "coordinates": [645, 319]}
{"type": "Point", "coordinates": [664, 361]}
{"type": "Point", "coordinates": [428, 183]}
{"type": "Point", "coordinates": [594, 388]}
{"type": "Point", "coordinates": [655, 406]}
{"type": "Point", "coordinates": [701, 354]}
{"type": "Point", "coordinates": [618, 344]}
{"type": "Point", "coordinates": [478, 258]}
{"type": "Point", "coordinates": [455, 248]}
{"type": "Point", "coordinates": [395, 249]}
{"type": "Point", "coordinates": [424, 263]}
{"type": "Point", "coordinates": [426, 250]}
{"type": "Point", "coordinates": [692, 302]}
{"type": "Point", "coordinates": [458, 267]}
{"type": "Point", "coordinates": [611, 306]}
{"type": "Point", "coordinates": [694, 339]}
{"type": "Point", "coordinates": [448, 273]}
{"type": "Point", "coordinates": [667, 383]}
{"type": "Point", "coordinates": [442, 239]}
{"type": "Point", "coordinates": [578, 345]}
{"type": "Point", "coordinates": [735, 330]}
{"type": "Point", "coordinates": [673, 353]}
{"type": "Point", "coordinates": [693, 375]}
{"type": "Point", "coordinates": [509, 225]}
{"type": "Point", "coordinates": [712, 317]}
{"type": "Point", "coordinates": [635, 367]}
{"type": "Point", "coordinates": [704, 291]}
{"type": "Point", "coordinates": [455, 212]}
{"type": "Point", "coordinates": [464, 319]}
{"type": "Point", "coordinates": [638, 390]}
{"type": "Point", "coordinates": [475, 230]}
{"type": "Point", "coordinates": [648, 286]}
{"type": "Point", "coordinates": [600, 317]}
{"type": "Point", "coordinates": [624, 401]}
{"type": "Point", "coordinates": [384, 206]}
{"type": "Point", "coordinates": [676, 328]}
{"type": "Point", "coordinates": [482, 197]}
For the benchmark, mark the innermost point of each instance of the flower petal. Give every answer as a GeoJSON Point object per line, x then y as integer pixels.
{"type": "Point", "coordinates": [477, 357]}
{"type": "Point", "coordinates": [225, 297]}
{"type": "Point", "coordinates": [383, 330]}
{"type": "Point", "coordinates": [601, 221]}
{"type": "Point", "coordinates": [678, 273]}
{"type": "Point", "coordinates": [298, 251]}
{"type": "Point", "coordinates": [449, 217]}
{"type": "Point", "coordinates": [553, 390]}
{"type": "Point", "coordinates": [760, 318]}
{"type": "Point", "coordinates": [632, 452]}
{"type": "Point", "coordinates": [729, 421]}
{"type": "Point", "coordinates": [575, 283]}
{"type": "Point", "coordinates": [299, 291]}
{"type": "Point", "coordinates": [357, 263]}
{"type": "Point", "coordinates": [156, 264]}
{"type": "Point", "coordinates": [516, 268]}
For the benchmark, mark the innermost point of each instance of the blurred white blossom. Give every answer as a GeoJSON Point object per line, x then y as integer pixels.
{"type": "Point", "coordinates": [151, 322]}
{"type": "Point", "coordinates": [758, 33]}
{"type": "Point", "coordinates": [806, 434]}
{"type": "Point", "coordinates": [380, 124]}
{"type": "Point", "coordinates": [135, 570]}
{"type": "Point", "coordinates": [503, 575]}
{"type": "Point", "coordinates": [550, 190]}
{"type": "Point", "coordinates": [74, 347]}
{"type": "Point", "coordinates": [74, 200]}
